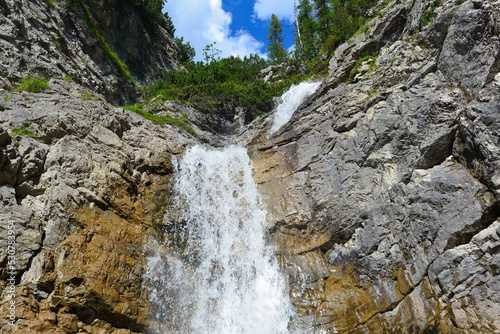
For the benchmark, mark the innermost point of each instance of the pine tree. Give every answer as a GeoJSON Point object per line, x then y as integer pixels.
{"type": "Point", "coordinates": [323, 18]}
{"type": "Point", "coordinates": [277, 52]}
{"type": "Point", "coordinates": [305, 20]}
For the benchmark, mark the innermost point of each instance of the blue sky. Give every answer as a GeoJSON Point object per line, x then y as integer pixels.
{"type": "Point", "coordinates": [239, 27]}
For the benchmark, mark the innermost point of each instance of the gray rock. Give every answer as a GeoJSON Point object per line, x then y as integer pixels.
{"type": "Point", "coordinates": [393, 179]}
{"type": "Point", "coordinates": [471, 51]}
{"type": "Point", "coordinates": [33, 155]}
{"type": "Point", "coordinates": [53, 40]}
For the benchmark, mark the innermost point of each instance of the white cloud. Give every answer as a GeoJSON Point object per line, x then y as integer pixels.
{"type": "Point", "coordinates": [202, 22]}
{"type": "Point", "coordinates": [282, 8]}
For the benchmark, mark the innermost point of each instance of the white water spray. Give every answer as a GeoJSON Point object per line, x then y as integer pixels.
{"type": "Point", "coordinates": [222, 278]}
{"type": "Point", "coordinates": [292, 98]}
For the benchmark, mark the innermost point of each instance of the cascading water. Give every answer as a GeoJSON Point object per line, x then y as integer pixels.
{"type": "Point", "coordinates": [292, 98]}
{"type": "Point", "coordinates": [221, 277]}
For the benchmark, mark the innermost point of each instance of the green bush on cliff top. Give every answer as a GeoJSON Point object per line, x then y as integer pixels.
{"type": "Point", "coordinates": [220, 85]}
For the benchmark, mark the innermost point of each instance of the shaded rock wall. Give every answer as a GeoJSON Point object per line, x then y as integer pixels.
{"type": "Point", "coordinates": [53, 39]}
{"type": "Point", "coordinates": [382, 192]}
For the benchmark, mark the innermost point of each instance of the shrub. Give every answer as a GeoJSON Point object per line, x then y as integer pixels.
{"type": "Point", "coordinates": [86, 97]}
{"type": "Point", "coordinates": [187, 51]}
{"type": "Point", "coordinates": [429, 14]}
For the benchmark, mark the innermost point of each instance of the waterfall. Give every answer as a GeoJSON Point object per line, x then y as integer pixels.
{"type": "Point", "coordinates": [220, 276]}
{"type": "Point", "coordinates": [291, 100]}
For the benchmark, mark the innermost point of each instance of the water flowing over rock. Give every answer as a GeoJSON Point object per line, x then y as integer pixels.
{"type": "Point", "coordinates": [380, 194]}
{"type": "Point", "coordinates": [381, 190]}
{"type": "Point", "coordinates": [228, 281]}
{"type": "Point", "coordinates": [291, 100]}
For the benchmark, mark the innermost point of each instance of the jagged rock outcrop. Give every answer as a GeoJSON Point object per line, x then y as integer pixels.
{"type": "Point", "coordinates": [83, 185]}
{"type": "Point", "coordinates": [383, 190]}
{"type": "Point", "coordinates": [56, 39]}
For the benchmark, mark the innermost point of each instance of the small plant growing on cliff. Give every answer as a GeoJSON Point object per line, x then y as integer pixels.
{"type": "Point", "coordinates": [56, 42]}
{"type": "Point", "coordinates": [429, 14]}
{"type": "Point", "coordinates": [86, 97]}
{"type": "Point", "coordinates": [32, 84]}
{"type": "Point", "coordinates": [23, 131]}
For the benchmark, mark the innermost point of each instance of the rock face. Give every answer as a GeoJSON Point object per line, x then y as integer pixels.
{"type": "Point", "coordinates": [383, 192]}
{"type": "Point", "coordinates": [56, 39]}
{"type": "Point", "coordinates": [82, 187]}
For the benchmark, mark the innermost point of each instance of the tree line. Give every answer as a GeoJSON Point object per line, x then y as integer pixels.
{"type": "Point", "coordinates": [320, 27]}
{"type": "Point", "coordinates": [222, 85]}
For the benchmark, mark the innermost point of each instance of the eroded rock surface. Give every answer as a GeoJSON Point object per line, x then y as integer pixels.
{"type": "Point", "coordinates": [56, 39]}
{"type": "Point", "coordinates": [382, 190]}
{"type": "Point", "coordinates": [83, 185]}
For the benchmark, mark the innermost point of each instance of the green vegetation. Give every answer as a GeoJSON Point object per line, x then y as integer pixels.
{"type": "Point", "coordinates": [22, 131]}
{"type": "Point", "coordinates": [150, 11]}
{"type": "Point", "coordinates": [221, 85]}
{"type": "Point", "coordinates": [187, 51]}
{"type": "Point", "coordinates": [370, 58]}
{"type": "Point", "coordinates": [429, 14]}
{"type": "Point", "coordinates": [322, 25]}
{"type": "Point", "coordinates": [83, 60]}
{"type": "Point", "coordinates": [86, 97]}
{"type": "Point", "coordinates": [277, 52]}
{"type": "Point", "coordinates": [306, 40]}
{"type": "Point", "coordinates": [362, 30]}
{"type": "Point", "coordinates": [68, 78]}
{"type": "Point", "coordinates": [181, 122]}
{"type": "Point", "coordinates": [170, 25]}
{"type": "Point", "coordinates": [32, 84]}
{"type": "Point", "coordinates": [56, 42]}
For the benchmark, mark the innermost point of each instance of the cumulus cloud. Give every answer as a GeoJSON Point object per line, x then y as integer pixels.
{"type": "Point", "coordinates": [282, 8]}
{"type": "Point", "coordinates": [202, 22]}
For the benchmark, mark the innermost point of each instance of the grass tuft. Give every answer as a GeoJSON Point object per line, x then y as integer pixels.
{"type": "Point", "coordinates": [86, 97]}
{"type": "Point", "coordinates": [23, 131]}
{"type": "Point", "coordinates": [32, 84]}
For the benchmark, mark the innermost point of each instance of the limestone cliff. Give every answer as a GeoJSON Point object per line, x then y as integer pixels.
{"type": "Point", "coordinates": [82, 183]}
{"type": "Point", "coordinates": [382, 190]}
{"type": "Point", "coordinates": [102, 47]}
